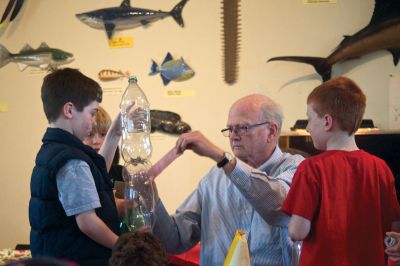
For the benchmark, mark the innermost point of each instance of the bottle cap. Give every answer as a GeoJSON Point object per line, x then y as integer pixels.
{"type": "Point", "coordinates": [132, 79]}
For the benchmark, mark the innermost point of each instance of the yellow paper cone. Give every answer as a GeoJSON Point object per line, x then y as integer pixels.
{"type": "Point", "coordinates": [238, 254]}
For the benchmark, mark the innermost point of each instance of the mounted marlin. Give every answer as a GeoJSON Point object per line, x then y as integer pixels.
{"type": "Point", "coordinates": [383, 32]}
{"type": "Point", "coordinates": [127, 17]}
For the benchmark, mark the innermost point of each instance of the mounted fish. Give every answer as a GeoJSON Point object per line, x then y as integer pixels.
{"type": "Point", "coordinates": [172, 69]}
{"type": "Point", "coordinates": [109, 74]}
{"type": "Point", "coordinates": [168, 122]}
{"type": "Point", "coordinates": [230, 16]}
{"type": "Point", "coordinates": [383, 32]}
{"type": "Point", "coordinates": [43, 57]}
{"type": "Point", "coordinates": [14, 5]}
{"type": "Point", "coordinates": [127, 17]}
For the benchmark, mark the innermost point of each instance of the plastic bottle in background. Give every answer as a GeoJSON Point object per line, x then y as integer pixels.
{"type": "Point", "coordinates": [296, 252]}
{"type": "Point", "coordinates": [390, 241]}
{"type": "Point", "coordinates": [136, 124]}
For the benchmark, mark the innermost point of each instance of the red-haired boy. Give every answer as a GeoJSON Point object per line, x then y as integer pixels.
{"type": "Point", "coordinates": [344, 200]}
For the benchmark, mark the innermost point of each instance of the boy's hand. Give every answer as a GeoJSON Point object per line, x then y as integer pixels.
{"type": "Point", "coordinates": [92, 226]}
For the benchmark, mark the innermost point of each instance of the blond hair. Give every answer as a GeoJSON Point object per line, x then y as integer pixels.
{"type": "Point", "coordinates": [103, 121]}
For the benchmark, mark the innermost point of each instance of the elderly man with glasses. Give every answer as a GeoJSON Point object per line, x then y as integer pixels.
{"type": "Point", "coordinates": [244, 191]}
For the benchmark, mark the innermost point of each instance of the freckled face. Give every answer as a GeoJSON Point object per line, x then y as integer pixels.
{"type": "Point", "coordinates": [95, 140]}
{"type": "Point", "coordinates": [82, 122]}
{"type": "Point", "coordinates": [315, 127]}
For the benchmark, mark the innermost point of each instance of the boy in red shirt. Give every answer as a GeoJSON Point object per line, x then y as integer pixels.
{"type": "Point", "coordinates": [344, 200]}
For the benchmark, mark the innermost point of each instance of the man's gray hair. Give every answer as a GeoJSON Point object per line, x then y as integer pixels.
{"type": "Point", "coordinates": [272, 112]}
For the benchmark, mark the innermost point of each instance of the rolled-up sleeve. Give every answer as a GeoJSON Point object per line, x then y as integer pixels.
{"type": "Point", "coordinates": [266, 188]}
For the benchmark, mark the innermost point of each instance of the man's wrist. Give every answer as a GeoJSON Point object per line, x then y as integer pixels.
{"type": "Point", "coordinates": [225, 160]}
{"type": "Point", "coordinates": [230, 166]}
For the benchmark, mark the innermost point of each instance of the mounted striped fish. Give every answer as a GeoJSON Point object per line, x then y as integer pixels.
{"type": "Point", "coordinates": [43, 57]}
{"type": "Point", "coordinates": [383, 32]}
{"type": "Point", "coordinates": [127, 17]}
{"type": "Point", "coordinates": [109, 74]}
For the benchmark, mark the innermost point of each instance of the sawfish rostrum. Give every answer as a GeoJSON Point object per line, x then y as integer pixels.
{"type": "Point", "coordinates": [127, 17]}
{"type": "Point", "coordinates": [383, 32]}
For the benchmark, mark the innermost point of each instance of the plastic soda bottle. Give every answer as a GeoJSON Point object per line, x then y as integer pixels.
{"type": "Point", "coordinates": [139, 196]}
{"type": "Point", "coordinates": [136, 150]}
{"type": "Point", "coordinates": [136, 123]}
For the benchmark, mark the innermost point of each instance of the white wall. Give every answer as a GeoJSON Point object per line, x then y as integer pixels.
{"type": "Point", "coordinates": [269, 28]}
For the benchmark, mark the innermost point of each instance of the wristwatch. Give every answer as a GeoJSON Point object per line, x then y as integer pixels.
{"type": "Point", "coordinates": [227, 158]}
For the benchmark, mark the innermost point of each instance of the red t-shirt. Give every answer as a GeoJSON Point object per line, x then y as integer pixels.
{"type": "Point", "coordinates": [350, 199]}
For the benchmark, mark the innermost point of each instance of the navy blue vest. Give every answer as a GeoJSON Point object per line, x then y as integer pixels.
{"type": "Point", "coordinates": [52, 232]}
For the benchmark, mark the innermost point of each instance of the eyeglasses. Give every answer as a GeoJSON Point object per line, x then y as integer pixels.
{"type": "Point", "coordinates": [240, 129]}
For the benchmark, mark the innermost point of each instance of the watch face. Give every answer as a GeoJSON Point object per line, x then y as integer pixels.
{"type": "Point", "coordinates": [228, 156]}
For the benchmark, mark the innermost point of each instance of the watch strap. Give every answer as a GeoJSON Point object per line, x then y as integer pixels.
{"type": "Point", "coordinates": [227, 158]}
{"type": "Point", "coordinates": [223, 162]}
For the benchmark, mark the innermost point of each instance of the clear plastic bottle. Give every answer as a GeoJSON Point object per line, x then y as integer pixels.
{"type": "Point", "coordinates": [139, 196]}
{"type": "Point", "coordinates": [296, 252]}
{"type": "Point", "coordinates": [390, 241]}
{"type": "Point", "coordinates": [136, 150]}
{"type": "Point", "coordinates": [136, 124]}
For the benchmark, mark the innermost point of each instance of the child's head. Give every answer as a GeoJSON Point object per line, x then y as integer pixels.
{"type": "Point", "coordinates": [138, 248]}
{"type": "Point", "coordinates": [99, 130]}
{"type": "Point", "coordinates": [342, 99]}
{"type": "Point", "coordinates": [68, 86]}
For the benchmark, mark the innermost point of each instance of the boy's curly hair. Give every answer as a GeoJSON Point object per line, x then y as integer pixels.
{"type": "Point", "coordinates": [138, 248]}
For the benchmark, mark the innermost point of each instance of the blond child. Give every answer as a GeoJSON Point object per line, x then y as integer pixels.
{"type": "Point", "coordinates": [96, 138]}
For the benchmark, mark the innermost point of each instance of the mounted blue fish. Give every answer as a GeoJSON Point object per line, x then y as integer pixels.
{"type": "Point", "coordinates": [172, 69]}
{"type": "Point", "coordinates": [127, 17]}
{"type": "Point", "coordinates": [43, 57]}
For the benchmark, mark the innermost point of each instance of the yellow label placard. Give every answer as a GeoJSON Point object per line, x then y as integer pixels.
{"type": "Point", "coordinates": [319, 1]}
{"type": "Point", "coordinates": [37, 71]}
{"type": "Point", "coordinates": [180, 93]}
{"type": "Point", "coordinates": [121, 42]}
{"type": "Point", "coordinates": [3, 107]}
{"type": "Point", "coordinates": [113, 90]}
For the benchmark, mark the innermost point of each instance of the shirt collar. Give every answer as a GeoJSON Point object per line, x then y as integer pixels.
{"type": "Point", "coordinates": [272, 161]}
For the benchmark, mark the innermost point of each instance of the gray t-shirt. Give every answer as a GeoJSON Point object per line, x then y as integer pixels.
{"type": "Point", "coordinates": [76, 189]}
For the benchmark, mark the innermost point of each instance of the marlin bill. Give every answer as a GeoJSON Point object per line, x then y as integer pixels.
{"type": "Point", "coordinates": [43, 57]}
{"type": "Point", "coordinates": [382, 33]}
{"type": "Point", "coordinates": [127, 17]}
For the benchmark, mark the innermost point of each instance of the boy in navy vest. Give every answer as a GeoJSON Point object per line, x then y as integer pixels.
{"type": "Point", "coordinates": [72, 209]}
